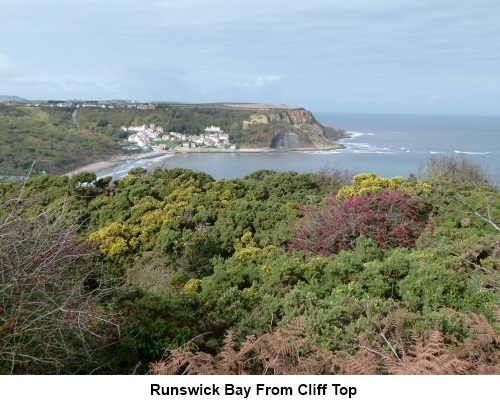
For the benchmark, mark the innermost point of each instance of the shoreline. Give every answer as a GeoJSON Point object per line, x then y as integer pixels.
{"type": "Point", "coordinates": [120, 159]}
{"type": "Point", "coordinates": [93, 167]}
{"type": "Point", "coordinates": [250, 150]}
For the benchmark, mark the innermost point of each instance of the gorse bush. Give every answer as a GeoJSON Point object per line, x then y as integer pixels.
{"type": "Point", "coordinates": [271, 273]}
{"type": "Point", "coordinates": [367, 183]}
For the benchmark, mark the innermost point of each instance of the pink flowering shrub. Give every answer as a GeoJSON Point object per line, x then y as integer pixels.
{"type": "Point", "coordinates": [390, 218]}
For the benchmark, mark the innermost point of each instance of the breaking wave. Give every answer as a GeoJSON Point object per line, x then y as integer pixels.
{"type": "Point", "coordinates": [472, 153]}
{"type": "Point", "coordinates": [353, 134]}
{"type": "Point", "coordinates": [322, 152]}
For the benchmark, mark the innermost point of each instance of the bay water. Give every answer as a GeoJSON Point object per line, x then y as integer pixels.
{"type": "Point", "coordinates": [387, 144]}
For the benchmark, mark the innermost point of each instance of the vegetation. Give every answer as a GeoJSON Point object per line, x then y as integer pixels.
{"type": "Point", "coordinates": [60, 139]}
{"type": "Point", "coordinates": [189, 120]}
{"type": "Point", "coordinates": [275, 273]}
{"type": "Point", "coordinates": [49, 138]}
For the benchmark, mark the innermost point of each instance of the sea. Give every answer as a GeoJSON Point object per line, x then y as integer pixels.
{"type": "Point", "coordinates": [387, 144]}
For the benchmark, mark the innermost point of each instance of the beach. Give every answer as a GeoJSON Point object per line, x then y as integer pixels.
{"type": "Point", "coordinates": [122, 159]}
{"type": "Point", "coordinates": [115, 161]}
{"type": "Point", "coordinates": [95, 167]}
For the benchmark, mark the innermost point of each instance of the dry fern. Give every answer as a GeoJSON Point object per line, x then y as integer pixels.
{"type": "Point", "coordinates": [289, 350]}
{"type": "Point", "coordinates": [428, 353]}
{"type": "Point", "coordinates": [286, 351]}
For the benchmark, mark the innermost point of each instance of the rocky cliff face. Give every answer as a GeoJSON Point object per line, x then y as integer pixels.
{"type": "Point", "coordinates": [294, 129]}
{"type": "Point", "coordinates": [292, 117]}
{"type": "Point", "coordinates": [300, 117]}
{"type": "Point", "coordinates": [283, 140]}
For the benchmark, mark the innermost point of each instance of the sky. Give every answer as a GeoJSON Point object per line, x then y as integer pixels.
{"type": "Point", "coordinates": [369, 56]}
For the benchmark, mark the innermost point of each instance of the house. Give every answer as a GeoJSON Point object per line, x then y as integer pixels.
{"type": "Point", "coordinates": [211, 128]}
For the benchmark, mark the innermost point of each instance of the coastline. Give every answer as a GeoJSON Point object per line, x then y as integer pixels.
{"type": "Point", "coordinates": [250, 150]}
{"type": "Point", "coordinates": [94, 167]}
{"type": "Point", "coordinates": [120, 159]}
{"type": "Point", "coordinates": [323, 147]}
{"type": "Point", "coordinates": [375, 146]}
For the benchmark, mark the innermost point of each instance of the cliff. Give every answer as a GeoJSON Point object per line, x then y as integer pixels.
{"type": "Point", "coordinates": [72, 136]}
{"type": "Point", "coordinates": [284, 127]}
{"type": "Point", "coordinates": [281, 127]}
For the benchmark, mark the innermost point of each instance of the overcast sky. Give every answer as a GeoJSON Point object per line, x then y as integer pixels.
{"type": "Point", "coordinates": [409, 56]}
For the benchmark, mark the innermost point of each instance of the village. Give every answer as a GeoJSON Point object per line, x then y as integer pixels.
{"type": "Point", "coordinates": [79, 104]}
{"type": "Point", "coordinates": [152, 137]}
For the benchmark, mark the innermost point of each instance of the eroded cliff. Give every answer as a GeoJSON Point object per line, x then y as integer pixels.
{"type": "Point", "coordinates": [285, 128]}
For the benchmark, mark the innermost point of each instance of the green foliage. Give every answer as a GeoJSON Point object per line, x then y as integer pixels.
{"type": "Point", "coordinates": [49, 138]}
{"type": "Point", "coordinates": [154, 325]}
{"type": "Point", "coordinates": [369, 183]}
{"type": "Point", "coordinates": [189, 120]}
{"type": "Point", "coordinates": [188, 257]}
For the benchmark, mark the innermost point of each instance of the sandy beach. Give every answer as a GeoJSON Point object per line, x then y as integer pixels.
{"type": "Point", "coordinates": [115, 161]}
{"type": "Point", "coordinates": [94, 167]}
{"type": "Point", "coordinates": [123, 159]}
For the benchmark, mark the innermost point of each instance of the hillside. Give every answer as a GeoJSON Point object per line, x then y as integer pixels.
{"type": "Point", "coordinates": [174, 272]}
{"type": "Point", "coordinates": [12, 98]}
{"type": "Point", "coordinates": [49, 138]}
{"type": "Point", "coordinates": [248, 125]}
{"type": "Point", "coordinates": [65, 135]}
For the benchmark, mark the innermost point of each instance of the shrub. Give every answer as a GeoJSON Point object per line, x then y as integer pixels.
{"type": "Point", "coordinates": [458, 170]}
{"type": "Point", "coordinates": [367, 183]}
{"type": "Point", "coordinates": [53, 309]}
{"type": "Point", "coordinates": [390, 218]}
{"type": "Point", "coordinates": [333, 177]}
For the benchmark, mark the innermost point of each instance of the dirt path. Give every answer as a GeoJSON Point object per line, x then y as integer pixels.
{"type": "Point", "coordinates": [73, 117]}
